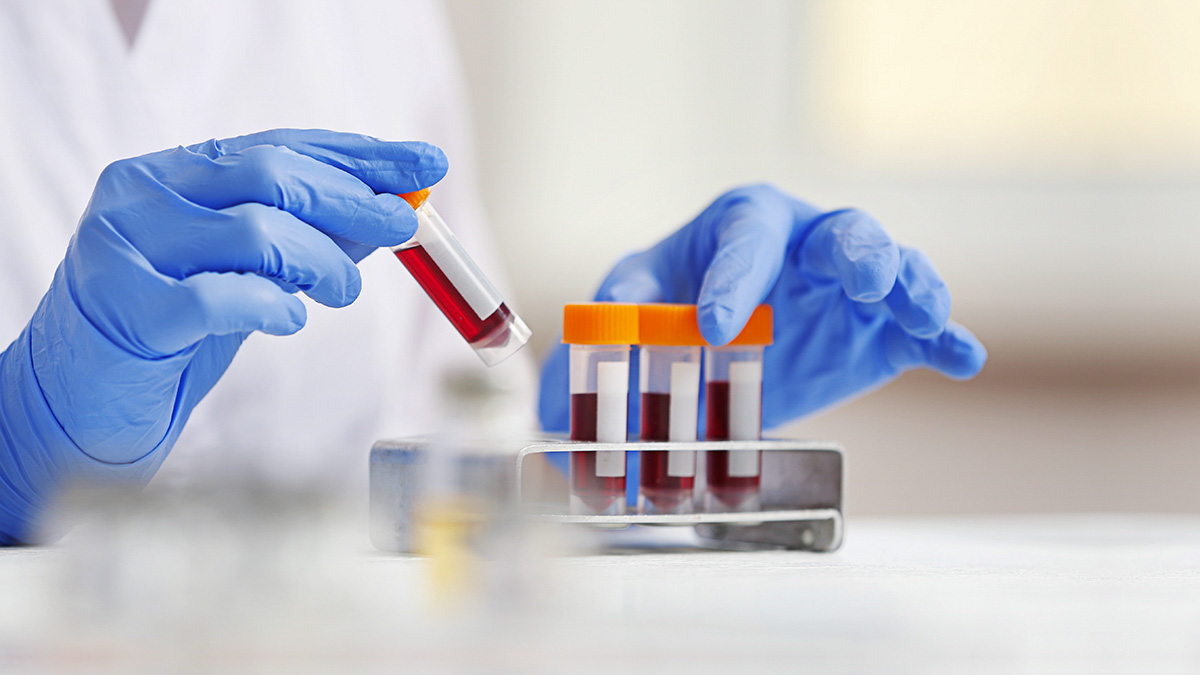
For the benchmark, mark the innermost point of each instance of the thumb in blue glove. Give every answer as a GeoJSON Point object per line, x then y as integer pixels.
{"type": "Point", "coordinates": [179, 256]}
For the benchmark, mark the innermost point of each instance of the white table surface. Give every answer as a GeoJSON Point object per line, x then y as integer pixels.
{"type": "Point", "coordinates": [1088, 593]}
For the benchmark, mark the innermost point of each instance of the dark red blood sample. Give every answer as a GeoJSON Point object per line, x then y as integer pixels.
{"type": "Point", "coordinates": [656, 417]}
{"type": "Point", "coordinates": [664, 490]}
{"type": "Point", "coordinates": [732, 490]}
{"type": "Point", "coordinates": [447, 298]}
{"type": "Point", "coordinates": [717, 419]}
{"type": "Point", "coordinates": [583, 416]}
{"type": "Point", "coordinates": [598, 492]}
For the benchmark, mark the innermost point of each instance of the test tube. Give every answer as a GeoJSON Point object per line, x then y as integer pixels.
{"type": "Point", "coordinates": [599, 335]}
{"type": "Point", "coordinates": [457, 286]}
{"type": "Point", "coordinates": [669, 375]}
{"type": "Point", "coordinates": [733, 388]}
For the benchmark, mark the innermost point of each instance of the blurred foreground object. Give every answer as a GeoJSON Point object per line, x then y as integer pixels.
{"type": "Point", "coordinates": [464, 514]}
{"type": "Point", "coordinates": [185, 560]}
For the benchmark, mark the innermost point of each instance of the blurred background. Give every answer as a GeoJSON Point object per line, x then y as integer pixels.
{"type": "Point", "coordinates": [1045, 155]}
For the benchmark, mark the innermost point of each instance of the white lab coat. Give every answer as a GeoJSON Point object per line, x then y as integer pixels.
{"type": "Point", "coordinates": [74, 97]}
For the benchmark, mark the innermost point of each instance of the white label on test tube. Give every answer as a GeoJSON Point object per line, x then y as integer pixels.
{"type": "Point", "coordinates": [681, 422]}
{"type": "Point", "coordinates": [612, 406]}
{"type": "Point", "coordinates": [459, 268]}
{"type": "Point", "coordinates": [745, 414]}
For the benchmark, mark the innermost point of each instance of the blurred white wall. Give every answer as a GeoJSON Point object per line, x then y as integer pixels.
{"type": "Point", "coordinates": [1044, 154]}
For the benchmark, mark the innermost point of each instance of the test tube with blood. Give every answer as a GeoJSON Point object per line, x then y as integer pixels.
{"type": "Point", "coordinates": [669, 374]}
{"type": "Point", "coordinates": [733, 391]}
{"type": "Point", "coordinates": [599, 335]}
{"type": "Point", "coordinates": [458, 287]}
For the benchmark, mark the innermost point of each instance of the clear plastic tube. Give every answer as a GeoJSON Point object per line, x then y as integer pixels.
{"type": "Point", "coordinates": [733, 391]}
{"type": "Point", "coordinates": [459, 288]}
{"type": "Point", "coordinates": [670, 388]}
{"type": "Point", "coordinates": [599, 384]}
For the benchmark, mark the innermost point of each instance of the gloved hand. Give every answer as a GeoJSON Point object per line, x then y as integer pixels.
{"type": "Point", "coordinates": [852, 309]}
{"type": "Point", "coordinates": [179, 256]}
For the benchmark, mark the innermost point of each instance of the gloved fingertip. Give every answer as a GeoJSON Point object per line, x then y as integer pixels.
{"type": "Point", "coordinates": [399, 216]}
{"type": "Point", "coordinates": [866, 258]}
{"type": "Point", "coordinates": [926, 331]}
{"type": "Point", "coordinates": [339, 287]}
{"type": "Point", "coordinates": [432, 154]}
{"type": "Point", "coordinates": [919, 299]}
{"type": "Point", "coordinates": [432, 163]}
{"type": "Point", "coordinates": [296, 317]}
{"type": "Point", "coordinates": [353, 286]}
{"type": "Point", "coordinates": [871, 280]}
{"type": "Point", "coordinates": [716, 321]}
{"type": "Point", "coordinates": [429, 178]}
{"type": "Point", "coordinates": [959, 355]}
{"type": "Point", "coordinates": [923, 320]}
{"type": "Point", "coordinates": [939, 311]}
{"type": "Point", "coordinates": [297, 312]}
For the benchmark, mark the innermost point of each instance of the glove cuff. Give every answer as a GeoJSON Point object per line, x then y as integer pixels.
{"type": "Point", "coordinates": [117, 408]}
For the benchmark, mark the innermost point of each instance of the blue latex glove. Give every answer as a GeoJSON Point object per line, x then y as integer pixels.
{"type": "Point", "coordinates": [179, 256]}
{"type": "Point", "coordinates": [852, 308]}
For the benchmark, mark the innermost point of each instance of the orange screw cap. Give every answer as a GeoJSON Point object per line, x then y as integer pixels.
{"type": "Point", "coordinates": [600, 323]}
{"type": "Point", "coordinates": [416, 199]}
{"type": "Point", "coordinates": [669, 325]}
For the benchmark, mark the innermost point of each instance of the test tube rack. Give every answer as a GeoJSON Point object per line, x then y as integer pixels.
{"type": "Point", "coordinates": [801, 491]}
